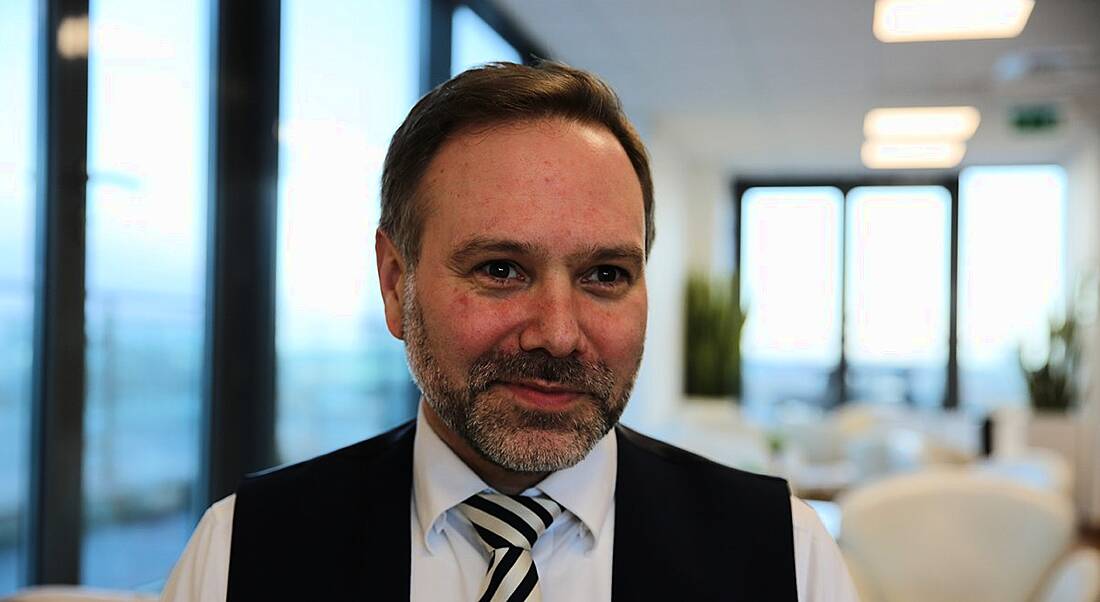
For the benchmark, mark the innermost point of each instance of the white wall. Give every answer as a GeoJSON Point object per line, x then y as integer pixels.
{"type": "Point", "coordinates": [694, 231]}
{"type": "Point", "coordinates": [1083, 250]}
{"type": "Point", "coordinates": [709, 220]}
{"type": "Point", "coordinates": [661, 375]}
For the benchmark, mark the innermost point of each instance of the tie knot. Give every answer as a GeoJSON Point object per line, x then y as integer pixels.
{"type": "Point", "coordinates": [509, 521]}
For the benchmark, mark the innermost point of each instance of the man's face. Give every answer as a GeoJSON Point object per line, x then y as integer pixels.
{"type": "Point", "coordinates": [525, 319]}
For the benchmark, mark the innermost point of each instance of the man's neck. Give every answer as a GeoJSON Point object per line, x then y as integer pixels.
{"type": "Point", "coordinates": [497, 477]}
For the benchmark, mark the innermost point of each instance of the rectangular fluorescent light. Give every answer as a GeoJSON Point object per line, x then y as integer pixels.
{"type": "Point", "coordinates": [921, 123]}
{"type": "Point", "coordinates": [911, 155]}
{"type": "Point", "coordinates": [928, 20]}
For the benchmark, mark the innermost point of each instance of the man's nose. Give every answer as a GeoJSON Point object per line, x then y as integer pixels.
{"type": "Point", "coordinates": [554, 323]}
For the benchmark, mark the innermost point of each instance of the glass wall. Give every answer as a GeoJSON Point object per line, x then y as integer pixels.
{"type": "Point", "coordinates": [147, 157]}
{"type": "Point", "coordinates": [349, 74]}
{"type": "Point", "coordinates": [18, 53]}
{"type": "Point", "coordinates": [341, 376]}
{"type": "Point", "coordinates": [474, 42]}
{"type": "Point", "coordinates": [1012, 278]}
{"type": "Point", "coordinates": [791, 252]}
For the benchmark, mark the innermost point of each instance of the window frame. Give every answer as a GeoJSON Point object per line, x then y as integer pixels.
{"type": "Point", "coordinates": [51, 529]}
{"type": "Point", "coordinates": [437, 17]}
{"type": "Point", "coordinates": [838, 393]}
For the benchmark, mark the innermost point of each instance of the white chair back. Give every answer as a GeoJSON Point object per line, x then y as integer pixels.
{"type": "Point", "coordinates": [949, 535]}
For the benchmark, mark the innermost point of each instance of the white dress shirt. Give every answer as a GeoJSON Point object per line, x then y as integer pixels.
{"type": "Point", "coordinates": [573, 556]}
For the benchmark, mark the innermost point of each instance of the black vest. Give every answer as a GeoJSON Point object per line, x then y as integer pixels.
{"type": "Point", "coordinates": [337, 527]}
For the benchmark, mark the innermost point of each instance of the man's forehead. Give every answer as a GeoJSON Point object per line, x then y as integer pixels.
{"type": "Point", "coordinates": [541, 141]}
{"type": "Point", "coordinates": [551, 125]}
{"type": "Point", "coordinates": [565, 186]}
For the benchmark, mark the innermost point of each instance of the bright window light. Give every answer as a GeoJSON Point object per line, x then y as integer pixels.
{"type": "Point", "coordinates": [1008, 291]}
{"type": "Point", "coordinates": [922, 123]}
{"type": "Point", "coordinates": [912, 155]}
{"type": "Point", "coordinates": [928, 20]}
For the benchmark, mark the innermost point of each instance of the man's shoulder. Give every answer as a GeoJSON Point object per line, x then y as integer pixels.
{"type": "Point", "coordinates": [658, 455]}
{"type": "Point", "coordinates": [659, 460]}
{"type": "Point", "coordinates": [348, 460]}
{"type": "Point", "coordinates": [311, 519]}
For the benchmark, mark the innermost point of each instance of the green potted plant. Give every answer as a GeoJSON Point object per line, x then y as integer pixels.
{"type": "Point", "coordinates": [712, 337]}
{"type": "Point", "coordinates": [1052, 391]}
{"type": "Point", "coordinates": [1051, 387]}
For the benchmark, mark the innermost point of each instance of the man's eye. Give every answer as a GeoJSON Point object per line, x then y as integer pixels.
{"type": "Point", "coordinates": [606, 275]}
{"type": "Point", "coordinates": [500, 270]}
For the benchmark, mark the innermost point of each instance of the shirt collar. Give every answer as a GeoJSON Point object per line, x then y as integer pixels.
{"type": "Point", "coordinates": [441, 481]}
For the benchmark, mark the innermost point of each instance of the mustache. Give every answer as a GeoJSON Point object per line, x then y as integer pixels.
{"type": "Point", "coordinates": [592, 378]}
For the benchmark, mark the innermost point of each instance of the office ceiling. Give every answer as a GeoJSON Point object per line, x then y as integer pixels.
{"type": "Point", "coordinates": [781, 86]}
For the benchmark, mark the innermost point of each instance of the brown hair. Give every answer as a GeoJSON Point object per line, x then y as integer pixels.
{"type": "Point", "coordinates": [495, 93]}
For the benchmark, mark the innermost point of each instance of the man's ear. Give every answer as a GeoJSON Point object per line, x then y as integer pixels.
{"type": "Point", "coordinates": [391, 279]}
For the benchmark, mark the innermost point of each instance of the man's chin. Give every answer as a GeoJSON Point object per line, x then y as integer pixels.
{"type": "Point", "coordinates": [536, 450]}
{"type": "Point", "coordinates": [535, 440]}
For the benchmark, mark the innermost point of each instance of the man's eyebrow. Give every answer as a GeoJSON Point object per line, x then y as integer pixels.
{"type": "Point", "coordinates": [625, 252]}
{"type": "Point", "coordinates": [480, 245]}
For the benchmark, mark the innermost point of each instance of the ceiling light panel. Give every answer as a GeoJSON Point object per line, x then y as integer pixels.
{"type": "Point", "coordinates": [921, 123]}
{"type": "Point", "coordinates": [930, 20]}
{"type": "Point", "coordinates": [912, 155]}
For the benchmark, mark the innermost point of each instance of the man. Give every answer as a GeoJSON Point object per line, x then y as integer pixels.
{"type": "Point", "coordinates": [517, 215]}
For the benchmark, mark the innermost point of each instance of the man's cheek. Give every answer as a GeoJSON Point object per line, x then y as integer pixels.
{"type": "Point", "coordinates": [473, 327]}
{"type": "Point", "coordinates": [619, 334]}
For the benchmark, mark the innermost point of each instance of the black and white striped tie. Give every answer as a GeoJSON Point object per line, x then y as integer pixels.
{"type": "Point", "coordinates": [508, 526]}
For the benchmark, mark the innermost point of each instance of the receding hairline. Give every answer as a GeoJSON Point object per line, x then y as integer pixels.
{"type": "Point", "coordinates": [486, 127]}
{"type": "Point", "coordinates": [485, 98]}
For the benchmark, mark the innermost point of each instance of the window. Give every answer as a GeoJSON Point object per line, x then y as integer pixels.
{"type": "Point", "coordinates": [18, 52]}
{"type": "Point", "coordinates": [349, 76]}
{"type": "Point", "coordinates": [1011, 276]}
{"type": "Point", "coordinates": [474, 42]}
{"type": "Point", "coordinates": [846, 292]}
{"type": "Point", "coordinates": [791, 252]}
{"type": "Point", "coordinates": [895, 244]}
{"type": "Point", "coordinates": [898, 281]}
{"type": "Point", "coordinates": [147, 149]}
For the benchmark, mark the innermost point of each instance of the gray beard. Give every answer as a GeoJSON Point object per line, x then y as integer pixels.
{"type": "Point", "coordinates": [508, 435]}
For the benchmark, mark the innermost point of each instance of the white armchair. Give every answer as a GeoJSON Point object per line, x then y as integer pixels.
{"type": "Point", "coordinates": [955, 536]}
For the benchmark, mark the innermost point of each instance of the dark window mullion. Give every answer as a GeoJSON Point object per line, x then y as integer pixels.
{"type": "Point", "coordinates": [839, 380]}
{"type": "Point", "coordinates": [53, 523]}
{"type": "Point", "coordinates": [238, 423]}
{"type": "Point", "coordinates": [435, 43]}
{"type": "Point", "coordinates": [508, 29]}
{"type": "Point", "coordinates": [951, 394]}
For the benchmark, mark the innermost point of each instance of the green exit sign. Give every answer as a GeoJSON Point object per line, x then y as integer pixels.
{"type": "Point", "coordinates": [1035, 118]}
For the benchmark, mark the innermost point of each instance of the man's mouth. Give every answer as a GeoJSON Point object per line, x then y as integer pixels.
{"type": "Point", "coordinates": [542, 394]}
